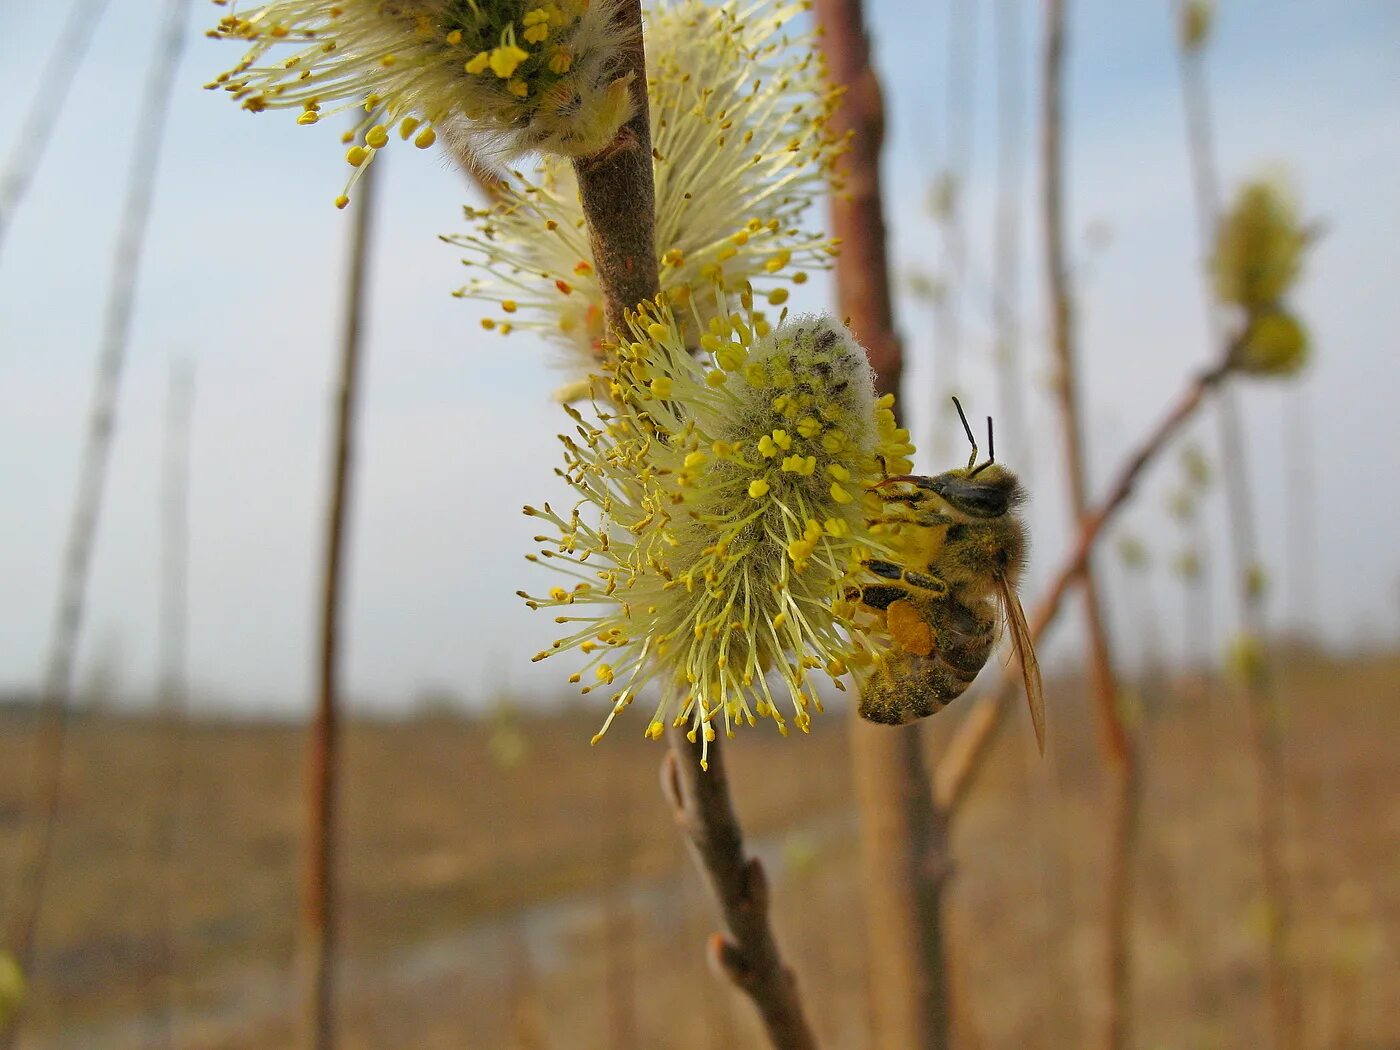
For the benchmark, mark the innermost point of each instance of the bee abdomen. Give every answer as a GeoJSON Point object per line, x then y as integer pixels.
{"type": "Point", "coordinates": [907, 687]}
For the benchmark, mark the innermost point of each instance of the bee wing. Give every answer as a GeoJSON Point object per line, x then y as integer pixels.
{"type": "Point", "coordinates": [1025, 654]}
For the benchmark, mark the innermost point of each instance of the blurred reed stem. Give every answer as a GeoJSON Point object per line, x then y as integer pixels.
{"type": "Point", "coordinates": [37, 849]}
{"type": "Point", "coordinates": [1114, 740]}
{"type": "Point", "coordinates": [904, 843]}
{"type": "Point", "coordinates": [320, 934]}
{"type": "Point", "coordinates": [46, 107]}
{"type": "Point", "coordinates": [173, 700]}
{"type": "Point", "coordinates": [1256, 683]}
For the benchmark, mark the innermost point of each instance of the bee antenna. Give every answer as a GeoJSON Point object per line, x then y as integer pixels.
{"type": "Point", "coordinates": [963, 416]}
{"type": "Point", "coordinates": [991, 450]}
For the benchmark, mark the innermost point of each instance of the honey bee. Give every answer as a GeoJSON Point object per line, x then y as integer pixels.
{"type": "Point", "coordinates": [965, 548]}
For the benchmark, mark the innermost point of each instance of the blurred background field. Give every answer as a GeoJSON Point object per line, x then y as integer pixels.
{"type": "Point", "coordinates": [506, 886]}
{"type": "Point", "coordinates": [503, 885]}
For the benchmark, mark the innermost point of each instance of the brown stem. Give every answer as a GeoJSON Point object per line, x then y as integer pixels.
{"type": "Point", "coordinates": [1115, 743]}
{"type": "Point", "coordinates": [111, 362]}
{"type": "Point", "coordinates": [966, 754]}
{"type": "Point", "coordinates": [747, 952]}
{"type": "Point", "coordinates": [320, 896]}
{"type": "Point", "coordinates": [618, 195]}
{"type": "Point", "coordinates": [619, 204]}
{"type": "Point", "coordinates": [1261, 701]}
{"type": "Point", "coordinates": [903, 840]}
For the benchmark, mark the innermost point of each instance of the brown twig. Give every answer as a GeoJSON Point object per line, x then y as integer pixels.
{"type": "Point", "coordinates": [320, 896]}
{"type": "Point", "coordinates": [747, 952]}
{"type": "Point", "coordinates": [87, 506]}
{"type": "Point", "coordinates": [618, 194]}
{"type": "Point", "coordinates": [1261, 701]}
{"type": "Point", "coordinates": [965, 756]}
{"type": "Point", "coordinates": [619, 203]}
{"type": "Point", "coordinates": [1115, 742]}
{"type": "Point", "coordinates": [903, 840]}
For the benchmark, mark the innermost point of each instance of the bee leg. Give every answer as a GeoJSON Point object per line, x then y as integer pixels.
{"type": "Point", "coordinates": [879, 596]}
{"type": "Point", "coordinates": [917, 580]}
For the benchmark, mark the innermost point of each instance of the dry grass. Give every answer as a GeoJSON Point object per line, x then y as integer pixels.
{"type": "Point", "coordinates": [474, 916]}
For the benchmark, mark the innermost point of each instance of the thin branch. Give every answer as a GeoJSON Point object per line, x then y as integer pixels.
{"type": "Point", "coordinates": [904, 842]}
{"type": "Point", "coordinates": [46, 108]}
{"type": "Point", "coordinates": [320, 925]}
{"type": "Point", "coordinates": [619, 204]}
{"type": "Point", "coordinates": [87, 505]}
{"type": "Point", "coordinates": [966, 754]}
{"type": "Point", "coordinates": [747, 952]}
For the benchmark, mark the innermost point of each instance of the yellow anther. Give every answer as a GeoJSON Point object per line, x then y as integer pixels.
{"type": "Point", "coordinates": [309, 117]}
{"type": "Point", "coordinates": [715, 379]}
{"type": "Point", "coordinates": [758, 488]}
{"type": "Point", "coordinates": [479, 63]}
{"type": "Point", "coordinates": [694, 459]}
{"type": "Point", "coordinates": [517, 87]}
{"type": "Point", "coordinates": [779, 620]}
{"type": "Point", "coordinates": [722, 449]}
{"type": "Point", "coordinates": [558, 594]}
{"type": "Point", "coordinates": [782, 439]}
{"type": "Point", "coordinates": [837, 471]}
{"type": "Point", "coordinates": [509, 306]}
{"type": "Point", "coordinates": [711, 342]}
{"type": "Point", "coordinates": [655, 730]}
{"type": "Point", "coordinates": [425, 138]}
{"type": "Point", "coordinates": [837, 527]}
{"type": "Point", "coordinates": [505, 60]}
{"type": "Point", "coordinates": [778, 296]}
{"type": "Point", "coordinates": [778, 261]}
{"type": "Point", "coordinates": [408, 126]}
{"type": "Point", "coordinates": [808, 427]}
{"type": "Point", "coordinates": [659, 332]}
{"type": "Point", "coordinates": [355, 156]}
{"type": "Point", "coordinates": [377, 137]}
{"type": "Point", "coordinates": [833, 442]}
{"type": "Point", "coordinates": [560, 60]}
{"type": "Point", "coordinates": [662, 386]}
{"type": "Point", "coordinates": [839, 494]}
{"type": "Point", "coordinates": [604, 673]}
{"type": "Point", "coordinates": [342, 201]}
{"type": "Point", "coordinates": [454, 38]}
{"type": "Point", "coordinates": [731, 356]}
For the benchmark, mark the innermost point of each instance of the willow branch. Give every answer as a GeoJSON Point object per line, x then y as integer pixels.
{"type": "Point", "coordinates": [82, 531]}
{"type": "Point", "coordinates": [967, 752]}
{"type": "Point", "coordinates": [619, 204]}
{"type": "Point", "coordinates": [747, 952]}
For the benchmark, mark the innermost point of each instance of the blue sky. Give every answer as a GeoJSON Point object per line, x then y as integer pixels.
{"type": "Point", "coordinates": [242, 275]}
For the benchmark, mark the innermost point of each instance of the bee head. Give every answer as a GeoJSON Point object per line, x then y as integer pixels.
{"type": "Point", "coordinates": [989, 491]}
{"type": "Point", "coordinates": [973, 492]}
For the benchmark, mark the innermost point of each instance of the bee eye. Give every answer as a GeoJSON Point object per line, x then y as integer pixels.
{"type": "Point", "coordinates": [977, 500]}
